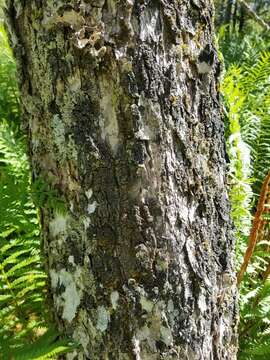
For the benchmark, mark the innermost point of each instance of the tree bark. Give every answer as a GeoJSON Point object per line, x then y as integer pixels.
{"type": "Point", "coordinates": [125, 129]}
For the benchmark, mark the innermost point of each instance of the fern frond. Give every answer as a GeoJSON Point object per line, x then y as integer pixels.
{"type": "Point", "coordinates": [22, 264]}
{"type": "Point", "coordinates": [48, 346]}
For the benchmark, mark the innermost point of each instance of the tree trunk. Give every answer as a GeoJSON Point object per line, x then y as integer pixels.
{"type": "Point", "coordinates": [125, 133]}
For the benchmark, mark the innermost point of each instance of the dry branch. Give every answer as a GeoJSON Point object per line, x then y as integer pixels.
{"type": "Point", "coordinates": [258, 222]}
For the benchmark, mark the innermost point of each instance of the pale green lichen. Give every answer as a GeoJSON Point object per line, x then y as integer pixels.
{"type": "Point", "coordinates": [146, 304]}
{"type": "Point", "coordinates": [172, 313]}
{"type": "Point", "coordinates": [166, 335]}
{"type": "Point", "coordinates": [86, 222]}
{"type": "Point", "coordinates": [71, 297]}
{"type": "Point", "coordinates": [66, 148]}
{"type": "Point", "coordinates": [103, 318]}
{"type": "Point", "coordinates": [71, 356]}
{"type": "Point", "coordinates": [58, 225]}
{"type": "Point", "coordinates": [91, 207]}
{"type": "Point", "coordinates": [59, 134]}
{"type": "Point", "coordinates": [143, 333]}
{"type": "Point", "coordinates": [89, 193]}
{"type": "Point", "coordinates": [108, 119]}
{"type": "Point", "coordinates": [114, 297]}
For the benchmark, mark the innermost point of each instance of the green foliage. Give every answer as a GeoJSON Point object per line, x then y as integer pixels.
{"type": "Point", "coordinates": [24, 318]}
{"type": "Point", "coordinates": [254, 327]}
{"type": "Point", "coordinates": [247, 96]}
{"type": "Point", "coordinates": [255, 115]}
{"type": "Point", "coordinates": [239, 48]}
{"type": "Point", "coordinates": [246, 93]}
{"type": "Point", "coordinates": [9, 104]}
{"type": "Point", "coordinates": [23, 314]}
{"type": "Point", "coordinates": [47, 346]}
{"type": "Point", "coordinates": [238, 151]}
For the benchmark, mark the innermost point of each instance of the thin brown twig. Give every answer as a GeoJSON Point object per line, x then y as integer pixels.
{"type": "Point", "coordinates": [256, 228]}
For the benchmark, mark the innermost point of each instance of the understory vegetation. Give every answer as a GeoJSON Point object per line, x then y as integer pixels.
{"type": "Point", "coordinates": [25, 324]}
{"type": "Point", "coordinates": [246, 92]}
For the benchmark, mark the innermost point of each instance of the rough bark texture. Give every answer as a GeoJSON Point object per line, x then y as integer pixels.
{"type": "Point", "coordinates": [127, 132]}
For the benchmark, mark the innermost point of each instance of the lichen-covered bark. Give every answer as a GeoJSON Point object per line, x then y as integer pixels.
{"type": "Point", "coordinates": [125, 129]}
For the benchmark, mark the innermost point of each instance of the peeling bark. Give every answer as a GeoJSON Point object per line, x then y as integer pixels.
{"type": "Point", "coordinates": [124, 125]}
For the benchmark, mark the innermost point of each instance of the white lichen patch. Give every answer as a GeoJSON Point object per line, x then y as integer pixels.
{"type": "Point", "coordinates": [166, 335]}
{"type": "Point", "coordinates": [144, 333]}
{"type": "Point", "coordinates": [146, 304]}
{"type": "Point", "coordinates": [54, 278]}
{"type": "Point", "coordinates": [157, 328]}
{"type": "Point", "coordinates": [71, 296]}
{"type": "Point", "coordinates": [71, 260]}
{"type": "Point", "coordinates": [148, 29]}
{"type": "Point", "coordinates": [103, 318]}
{"type": "Point", "coordinates": [81, 43]}
{"type": "Point", "coordinates": [143, 134]}
{"type": "Point", "coordinates": [202, 303]}
{"type": "Point", "coordinates": [222, 326]}
{"type": "Point", "coordinates": [69, 300]}
{"type": "Point", "coordinates": [191, 213]}
{"type": "Point", "coordinates": [114, 297]}
{"type": "Point", "coordinates": [58, 225]}
{"type": "Point", "coordinates": [91, 207]}
{"type": "Point", "coordinates": [71, 356]}
{"type": "Point", "coordinates": [86, 222]}
{"type": "Point", "coordinates": [136, 348]}
{"type": "Point", "coordinates": [89, 193]}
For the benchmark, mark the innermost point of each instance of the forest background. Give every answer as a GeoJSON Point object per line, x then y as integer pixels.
{"type": "Point", "coordinates": [243, 40]}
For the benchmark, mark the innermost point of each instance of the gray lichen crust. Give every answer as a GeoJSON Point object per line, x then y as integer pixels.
{"type": "Point", "coordinates": [127, 129]}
